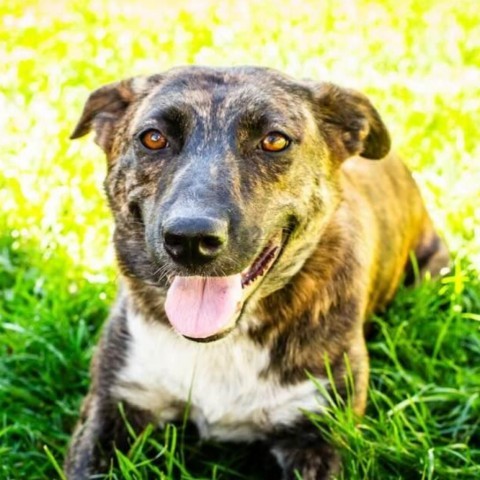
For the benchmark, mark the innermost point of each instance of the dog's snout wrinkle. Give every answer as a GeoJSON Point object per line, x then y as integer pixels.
{"type": "Point", "coordinates": [194, 240]}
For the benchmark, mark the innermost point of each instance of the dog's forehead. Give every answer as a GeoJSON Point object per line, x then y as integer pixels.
{"type": "Point", "coordinates": [226, 91]}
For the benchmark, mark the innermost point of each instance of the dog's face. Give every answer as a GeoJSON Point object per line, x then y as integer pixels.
{"type": "Point", "coordinates": [221, 181]}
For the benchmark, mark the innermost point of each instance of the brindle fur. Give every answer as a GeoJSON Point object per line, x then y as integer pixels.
{"type": "Point", "coordinates": [352, 223]}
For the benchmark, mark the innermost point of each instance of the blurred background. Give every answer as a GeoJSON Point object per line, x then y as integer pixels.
{"type": "Point", "coordinates": [419, 62]}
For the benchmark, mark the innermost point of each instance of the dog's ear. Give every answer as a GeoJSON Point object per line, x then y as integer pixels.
{"type": "Point", "coordinates": [351, 123]}
{"type": "Point", "coordinates": [106, 106]}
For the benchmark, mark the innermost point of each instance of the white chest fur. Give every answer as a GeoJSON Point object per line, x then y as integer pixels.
{"type": "Point", "coordinates": [223, 382]}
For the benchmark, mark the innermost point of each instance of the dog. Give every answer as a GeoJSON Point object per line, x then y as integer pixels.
{"type": "Point", "coordinates": [259, 221]}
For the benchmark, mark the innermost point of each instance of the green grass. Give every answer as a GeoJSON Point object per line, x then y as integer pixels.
{"type": "Point", "coordinates": [420, 64]}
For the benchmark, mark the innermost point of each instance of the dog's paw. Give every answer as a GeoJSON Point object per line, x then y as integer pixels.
{"type": "Point", "coordinates": [318, 463]}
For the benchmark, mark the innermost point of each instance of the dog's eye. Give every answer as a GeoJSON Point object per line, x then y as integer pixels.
{"type": "Point", "coordinates": [274, 142]}
{"type": "Point", "coordinates": [153, 139]}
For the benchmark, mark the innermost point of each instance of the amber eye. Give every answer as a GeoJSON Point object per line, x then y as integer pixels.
{"type": "Point", "coordinates": [153, 140]}
{"type": "Point", "coordinates": [274, 142]}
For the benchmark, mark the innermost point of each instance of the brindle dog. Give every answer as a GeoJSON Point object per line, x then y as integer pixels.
{"type": "Point", "coordinates": [254, 236]}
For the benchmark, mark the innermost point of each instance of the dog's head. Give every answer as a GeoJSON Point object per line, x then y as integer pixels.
{"type": "Point", "coordinates": [221, 180]}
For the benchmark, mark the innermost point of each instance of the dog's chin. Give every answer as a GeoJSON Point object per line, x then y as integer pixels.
{"type": "Point", "coordinates": [252, 278]}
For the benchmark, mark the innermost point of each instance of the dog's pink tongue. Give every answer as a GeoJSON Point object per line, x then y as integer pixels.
{"type": "Point", "coordinates": [200, 307]}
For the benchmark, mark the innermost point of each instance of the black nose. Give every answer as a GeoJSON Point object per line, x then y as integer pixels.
{"type": "Point", "coordinates": [196, 240]}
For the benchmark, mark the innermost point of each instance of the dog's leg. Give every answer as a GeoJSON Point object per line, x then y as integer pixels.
{"type": "Point", "coordinates": [103, 424]}
{"type": "Point", "coordinates": [435, 258]}
{"type": "Point", "coordinates": [101, 429]}
{"type": "Point", "coordinates": [303, 450]}
{"type": "Point", "coordinates": [431, 255]}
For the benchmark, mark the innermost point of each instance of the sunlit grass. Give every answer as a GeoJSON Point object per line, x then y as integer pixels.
{"type": "Point", "coordinates": [420, 64]}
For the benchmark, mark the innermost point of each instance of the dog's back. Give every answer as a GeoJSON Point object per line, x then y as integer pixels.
{"type": "Point", "coordinates": [401, 225]}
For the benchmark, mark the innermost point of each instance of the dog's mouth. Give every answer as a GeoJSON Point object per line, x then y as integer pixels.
{"type": "Point", "coordinates": [206, 308]}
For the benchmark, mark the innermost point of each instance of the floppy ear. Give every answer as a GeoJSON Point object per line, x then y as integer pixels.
{"type": "Point", "coordinates": [106, 106]}
{"type": "Point", "coordinates": [351, 123]}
